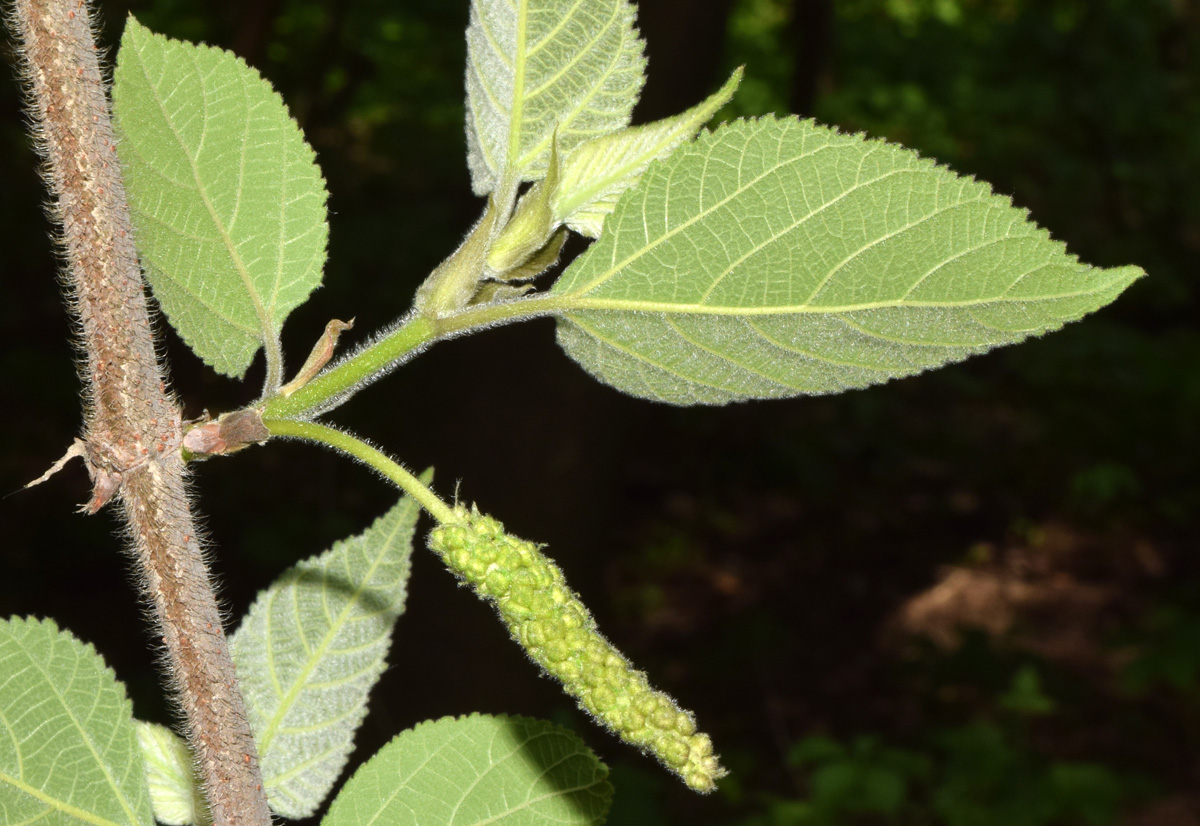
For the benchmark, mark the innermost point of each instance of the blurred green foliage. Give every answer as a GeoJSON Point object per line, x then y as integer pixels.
{"type": "Point", "coordinates": [980, 773]}
{"type": "Point", "coordinates": [1167, 646]}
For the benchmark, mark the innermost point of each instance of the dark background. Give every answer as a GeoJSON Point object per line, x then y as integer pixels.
{"type": "Point", "coordinates": [969, 597]}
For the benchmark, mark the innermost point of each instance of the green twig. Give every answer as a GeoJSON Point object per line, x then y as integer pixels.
{"type": "Point", "coordinates": [394, 347]}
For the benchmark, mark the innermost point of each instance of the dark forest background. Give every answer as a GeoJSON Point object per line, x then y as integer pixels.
{"type": "Point", "coordinates": [966, 598]}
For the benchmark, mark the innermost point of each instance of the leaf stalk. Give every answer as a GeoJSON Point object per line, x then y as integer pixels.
{"type": "Point", "coordinates": [412, 335]}
{"type": "Point", "coordinates": [369, 455]}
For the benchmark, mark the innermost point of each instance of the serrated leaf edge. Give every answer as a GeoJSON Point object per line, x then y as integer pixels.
{"type": "Point", "coordinates": [489, 174]}
{"type": "Point", "coordinates": [267, 332]}
{"type": "Point", "coordinates": [125, 702]}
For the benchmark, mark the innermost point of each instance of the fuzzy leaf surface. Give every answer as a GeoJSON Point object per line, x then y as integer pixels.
{"type": "Point", "coordinates": [534, 65]}
{"type": "Point", "coordinates": [775, 258]}
{"type": "Point", "coordinates": [68, 750]}
{"type": "Point", "coordinates": [311, 648]}
{"type": "Point", "coordinates": [175, 791]}
{"type": "Point", "coordinates": [228, 203]}
{"type": "Point", "coordinates": [477, 770]}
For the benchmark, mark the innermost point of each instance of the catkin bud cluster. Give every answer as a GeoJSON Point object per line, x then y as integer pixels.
{"type": "Point", "coordinates": [553, 626]}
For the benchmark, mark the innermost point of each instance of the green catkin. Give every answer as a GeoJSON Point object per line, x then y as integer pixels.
{"type": "Point", "coordinates": [553, 626]}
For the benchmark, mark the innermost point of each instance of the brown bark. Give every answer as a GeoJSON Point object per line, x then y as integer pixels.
{"type": "Point", "coordinates": [133, 428]}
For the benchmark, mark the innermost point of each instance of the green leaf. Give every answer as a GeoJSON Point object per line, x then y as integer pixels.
{"type": "Point", "coordinates": [311, 648]}
{"type": "Point", "coordinates": [595, 175]}
{"type": "Point", "coordinates": [476, 770]}
{"type": "Point", "coordinates": [533, 65]}
{"type": "Point", "coordinates": [175, 791]}
{"type": "Point", "coordinates": [228, 203]}
{"type": "Point", "coordinates": [68, 751]}
{"type": "Point", "coordinates": [774, 258]}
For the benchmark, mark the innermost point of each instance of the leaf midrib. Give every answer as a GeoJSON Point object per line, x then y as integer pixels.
{"type": "Point", "coordinates": [57, 805]}
{"type": "Point", "coordinates": [518, 102]}
{"type": "Point", "coordinates": [68, 712]}
{"type": "Point", "coordinates": [569, 305]}
{"type": "Point", "coordinates": [563, 124]}
{"type": "Point", "coordinates": [300, 680]}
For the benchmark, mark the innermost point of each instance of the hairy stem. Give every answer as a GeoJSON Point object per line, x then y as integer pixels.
{"type": "Point", "coordinates": [133, 428]}
{"type": "Point", "coordinates": [341, 380]}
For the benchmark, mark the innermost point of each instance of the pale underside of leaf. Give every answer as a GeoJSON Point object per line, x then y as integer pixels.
{"type": "Point", "coordinates": [68, 751]}
{"type": "Point", "coordinates": [477, 770]}
{"type": "Point", "coordinates": [309, 651]}
{"type": "Point", "coordinates": [174, 788]}
{"type": "Point", "coordinates": [537, 66]}
{"type": "Point", "coordinates": [227, 200]}
{"type": "Point", "coordinates": [777, 257]}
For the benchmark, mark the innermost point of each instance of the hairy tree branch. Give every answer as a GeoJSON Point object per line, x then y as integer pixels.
{"type": "Point", "coordinates": [133, 428]}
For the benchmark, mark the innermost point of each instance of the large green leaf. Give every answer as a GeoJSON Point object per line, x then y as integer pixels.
{"type": "Point", "coordinates": [309, 651]}
{"type": "Point", "coordinates": [68, 750]}
{"type": "Point", "coordinates": [537, 66]}
{"type": "Point", "coordinates": [477, 770]}
{"type": "Point", "coordinates": [773, 258]}
{"type": "Point", "coordinates": [228, 203]}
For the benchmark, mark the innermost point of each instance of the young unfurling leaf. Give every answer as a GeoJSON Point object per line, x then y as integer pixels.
{"type": "Point", "coordinates": [597, 172]}
{"type": "Point", "coordinates": [580, 190]}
